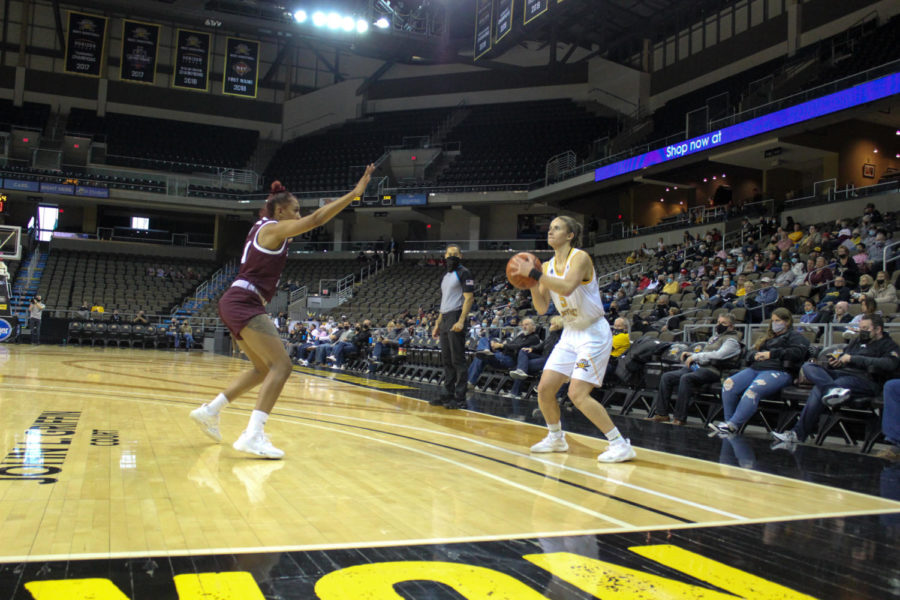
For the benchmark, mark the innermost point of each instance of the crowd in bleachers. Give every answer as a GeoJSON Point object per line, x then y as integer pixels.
{"type": "Point", "coordinates": [806, 278]}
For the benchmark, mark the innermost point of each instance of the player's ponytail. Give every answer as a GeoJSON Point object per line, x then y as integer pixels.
{"type": "Point", "coordinates": [574, 227]}
{"type": "Point", "coordinates": [278, 195]}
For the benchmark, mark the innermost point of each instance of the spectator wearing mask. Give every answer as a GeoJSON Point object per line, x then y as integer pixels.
{"type": "Point", "coordinates": [837, 292]}
{"type": "Point", "coordinates": [846, 267]}
{"type": "Point", "coordinates": [703, 367]}
{"type": "Point", "coordinates": [850, 372]}
{"type": "Point", "coordinates": [139, 319]}
{"type": "Point", "coordinates": [671, 286]}
{"type": "Point", "coordinates": [810, 314]}
{"type": "Point", "coordinates": [882, 290]}
{"type": "Point", "coordinates": [84, 313]}
{"type": "Point", "coordinates": [762, 303]}
{"type": "Point", "coordinates": [503, 355]}
{"type": "Point", "coordinates": [358, 340]}
{"type": "Point", "coordinates": [772, 365]}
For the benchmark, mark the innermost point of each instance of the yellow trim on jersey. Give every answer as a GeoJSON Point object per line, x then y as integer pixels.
{"type": "Point", "coordinates": [585, 282]}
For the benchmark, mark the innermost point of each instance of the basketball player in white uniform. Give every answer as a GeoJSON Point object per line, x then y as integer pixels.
{"type": "Point", "coordinates": [583, 350]}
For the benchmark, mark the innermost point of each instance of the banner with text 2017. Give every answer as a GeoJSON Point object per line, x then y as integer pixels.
{"type": "Point", "coordinates": [84, 46]}
{"type": "Point", "coordinates": [140, 44]}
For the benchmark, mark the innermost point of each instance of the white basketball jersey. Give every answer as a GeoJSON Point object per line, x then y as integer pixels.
{"type": "Point", "coordinates": [583, 307]}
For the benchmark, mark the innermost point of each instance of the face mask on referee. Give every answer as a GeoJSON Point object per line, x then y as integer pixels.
{"type": "Point", "coordinates": [452, 263]}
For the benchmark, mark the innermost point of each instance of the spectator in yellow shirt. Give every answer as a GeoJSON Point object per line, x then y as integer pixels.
{"type": "Point", "coordinates": [671, 287]}
{"type": "Point", "coordinates": [621, 339]}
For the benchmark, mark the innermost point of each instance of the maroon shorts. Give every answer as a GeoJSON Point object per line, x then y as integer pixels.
{"type": "Point", "coordinates": [237, 307]}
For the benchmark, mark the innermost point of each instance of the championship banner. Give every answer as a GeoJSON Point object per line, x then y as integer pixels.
{"type": "Point", "coordinates": [84, 46]}
{"type": "Point", "coordinates": [241, 67]}
{"type": "Point", "coordinates": [504, 19]}
{"type": "Point", "coordinates": [483, 16]}
{"type": "Point", "coordinates": [140, 45]}
{"type": "Point", "coordinates": [191, 60]}
{"type": "Point", "coordinates": [534, 9]}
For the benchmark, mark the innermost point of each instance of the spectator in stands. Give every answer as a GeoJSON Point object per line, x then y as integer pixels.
{"type": "Point", "coordinates": [861, 257]}
{"type": "Point", "coordinates": [84, 313]}
{"type": "Point", "coordinates": [140, 319]}
{"type": "Point", "coordinates": [785, 277]}
{"type": "Point", "coordinates": [360, 340]}
{"type": "Point", "coordinates": [530, 360]}
{"type": "Point", "coordinates": [796, 234]}
{"type": "Point", "coordinates": [858, 370]}
{"type": "Point", "coordinates": [324, 351]}
{"type": "Point", "coordinates": [864, 289]}
{"type": "Point", "coordinates": [869, 307]}
{"type": "Point", "coordinates": [631, 258]}
{"type": "Point", "coordinates": [772, 364]}
{"type": "Point", "coordinates": [172, 333]}
{"type": "Point", "coordinates": [671, 286]}
{"type": "Point", "coordinates": [672, 322]}
{"type": "Point", "coordinates": [115, 317]}
{"type": "Point", "coordinates": [845, 267]}
{"type": "Point", "coordinates": [811, 241]}
{"type": "Point", "coordinates": [721, 350]}
{"type": "Point", "coordinates": [890, 421]}
{"type": "Point", "coordinates": [4, 271]}
{"type": "Point", "coordinates": [503, 355]}
{"type": "Point", "coordinates": [883, 290]}
{"type": "Point", "coordinates": [760, 305]}
{"type": "Point", "coordinates": [873, 214]}
{"type": "Point", "coordinates": [457, 296]}
{"type": "Point", "coordinates": [35, 312]}
{"type": "Point", "coordinates": [837, 292]}
{"type": "Point", "coordinates": [186, 335]}
{"type": "Point", "coordinates": [876, 244]}
{"type": "Point", "coordinates": [97, 308]}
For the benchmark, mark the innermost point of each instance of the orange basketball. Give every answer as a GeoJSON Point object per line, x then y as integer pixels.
{"type": "Point", "coordinates": [522, 282]}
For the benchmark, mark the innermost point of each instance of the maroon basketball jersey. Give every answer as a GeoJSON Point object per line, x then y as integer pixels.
{"type": "Point", "coordinates": [260, 266]}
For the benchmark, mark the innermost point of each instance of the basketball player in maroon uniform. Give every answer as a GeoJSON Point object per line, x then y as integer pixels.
{"type": "Point", "coordinates": [243, 309]}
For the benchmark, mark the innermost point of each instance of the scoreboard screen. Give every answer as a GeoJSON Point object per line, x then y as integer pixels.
{"type": "Point", "coordinates": [535, 8]}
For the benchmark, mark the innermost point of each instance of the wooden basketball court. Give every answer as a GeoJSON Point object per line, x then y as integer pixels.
{"type": "Point", "coordinates": [101, 462]}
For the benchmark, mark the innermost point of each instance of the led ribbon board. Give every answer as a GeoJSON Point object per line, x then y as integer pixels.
{"type": "Point", "coordinates": [832, 103]}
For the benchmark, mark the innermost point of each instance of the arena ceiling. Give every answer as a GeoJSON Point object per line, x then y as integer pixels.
{"type": "Point", "coordinates": [611, 28]}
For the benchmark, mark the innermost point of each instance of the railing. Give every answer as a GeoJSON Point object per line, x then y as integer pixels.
{"type": "Point", "coordinates": [297, 301]}
{"type": "Point", "coordinates": [816, 92]}
{"type": "Point", "coordinates": [128, 317]}
{"type": "Point", "coordinates": [848, 193]}
{"type": "Point", "coordinates": [345, 289]}
{"type": "Point", "coordinates": [424, 246]}
{"type": "Point", "coordinates": [196, 240]}
{"type": "Point", "coordinates": [458, 189]}
{"type": "Point", "coordinates": [884, 256]}
{"type": "Point", "coordinates": [560, 163]}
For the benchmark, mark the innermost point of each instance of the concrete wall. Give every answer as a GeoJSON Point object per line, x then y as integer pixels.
{"type": "Point", "coordinates": [839, 210]}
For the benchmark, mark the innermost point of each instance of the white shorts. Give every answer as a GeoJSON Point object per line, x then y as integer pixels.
{"type": "Point", "coordinates": [583, 353]}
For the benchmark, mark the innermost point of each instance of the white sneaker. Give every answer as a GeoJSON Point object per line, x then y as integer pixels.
{"type": "Point", "coordinates": [551, 443]}
{"type": "Point", "coordinates": [789, 436]}
{"type": "Point", "coordinates": [518, 374]}
{"type": "Point", "coordinates": [304, 362]}
{"type": "Point", "coordinates": [257, 444]}
{"type": "Point", "coordinates": [618, 453]}
{"type": "Point", "coordinates": [207, 421]}
{"type": "Point", "coordinates": [331, 358]}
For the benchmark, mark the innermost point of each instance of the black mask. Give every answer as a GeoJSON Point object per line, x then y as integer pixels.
{"type": "Point", "coordinates": [452, 263]}
{"type": "Point", "coordinates": [720, 329]}
{"type": "Point", "coordinates": [865, 336]}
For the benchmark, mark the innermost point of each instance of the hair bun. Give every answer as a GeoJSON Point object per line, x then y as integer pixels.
{"type": "Point", "coordinates": [277, 188]}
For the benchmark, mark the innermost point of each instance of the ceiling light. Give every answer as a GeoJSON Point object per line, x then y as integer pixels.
{"type": "Point", "coordinates": [300, 16]}
{"type": "Point", "coordinates": [361, 26]}
{"type": "Point", "coordinates": [319, 19]}
{"type": "Point", "coordinates": [383, 23]}
{"type": "Point", "coordinates": [876, 150]}
{"type": "Point", "coordinates": [334, 21]}
{"type": "Point", "coordinates": [705, 180]}
{"type": "Point", "coordinates": [348, 24]}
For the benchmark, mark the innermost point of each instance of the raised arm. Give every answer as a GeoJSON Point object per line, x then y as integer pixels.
{"type": "Point", "coordinates": [272, 236]}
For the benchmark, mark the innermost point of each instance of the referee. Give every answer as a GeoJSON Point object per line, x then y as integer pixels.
{"type": "Point", "coordinates": [457, 295]}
